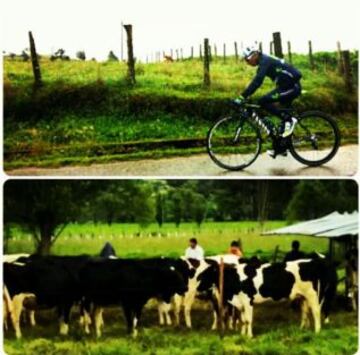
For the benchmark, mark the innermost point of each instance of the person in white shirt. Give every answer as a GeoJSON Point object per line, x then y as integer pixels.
{"type": "Point", "coordinates": [194, 251]}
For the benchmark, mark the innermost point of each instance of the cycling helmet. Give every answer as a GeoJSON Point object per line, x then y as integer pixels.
{"type": "Point", "coordinates": [248, 51]}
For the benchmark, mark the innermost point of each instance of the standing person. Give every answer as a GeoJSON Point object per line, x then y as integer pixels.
{"type": "Point", "coordinates": [235, 249]}
{"type": "Point", "coordinates": [295, 252]}
{"type": "Point", "coordinates": [194, 251]}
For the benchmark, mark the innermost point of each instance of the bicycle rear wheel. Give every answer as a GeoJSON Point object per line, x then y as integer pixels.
{"type": "Point", "coordinates": [233, 143]}
{"type": "Point", "coordinates": [316, 138]}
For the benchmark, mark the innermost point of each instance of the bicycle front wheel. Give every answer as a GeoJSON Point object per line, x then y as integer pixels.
{"type": "Point", "coordinates": [233, 143]}
{"type": "Point", "coordinates": [316, 138]}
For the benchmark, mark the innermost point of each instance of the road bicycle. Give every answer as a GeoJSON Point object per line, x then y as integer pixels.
{"type": "Point", "coordinates": [235, 142]}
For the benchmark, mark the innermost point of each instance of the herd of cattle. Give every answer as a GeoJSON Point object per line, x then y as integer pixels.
{"type": "Point", "coordinates": [93, 283]}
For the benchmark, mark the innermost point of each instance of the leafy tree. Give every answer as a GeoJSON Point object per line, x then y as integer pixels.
{"type": "Point", "coordinates": [316, 198]}
{"type": "Point", "coordinates": [80, 55]}
{"type": "Point", "coordinates": [43, 207]}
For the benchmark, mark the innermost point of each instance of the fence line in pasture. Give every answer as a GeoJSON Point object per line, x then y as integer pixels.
{"type": "Point", "coordinates": [209, 53]}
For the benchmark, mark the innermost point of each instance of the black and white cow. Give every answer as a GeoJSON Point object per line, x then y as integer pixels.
{"type": "Point", "coordinates": [187, 300]}
{"type": "Point", "coordinates": [129, 283]}
{"type": "Point", "coordinates": [50, 281]}
{"type": "Point", "coordinates": [245, 284]}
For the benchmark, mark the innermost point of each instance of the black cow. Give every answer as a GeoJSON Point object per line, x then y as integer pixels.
{"type": "Point", "coordinates": [245, 284]}
{"type": "Point", "coordinates": [129, 283]}
{"type": "Point", "coordinates": [53, 280]}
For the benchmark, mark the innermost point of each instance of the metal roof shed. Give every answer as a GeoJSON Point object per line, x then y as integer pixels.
{"type": "Point", "coordinates": [337, 227]}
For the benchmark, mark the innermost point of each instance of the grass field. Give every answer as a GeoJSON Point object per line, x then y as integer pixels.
{"type": "Point", "coordinates": [276, 327]}
{"type": "Point", "coordinates": [86, 107]}
{"type": "Point", "coordinates": [130, 240]}
{"type": "Point", "coordinates": [276, 331]}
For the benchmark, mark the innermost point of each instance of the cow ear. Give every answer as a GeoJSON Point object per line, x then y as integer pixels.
{"type": "Point", "coordinates": [194, 263]}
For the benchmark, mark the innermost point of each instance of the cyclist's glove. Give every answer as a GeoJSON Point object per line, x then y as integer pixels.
{"type": "Point", "coordinates": [239, 100]}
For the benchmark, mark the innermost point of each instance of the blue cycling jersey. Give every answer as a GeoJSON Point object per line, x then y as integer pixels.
{"type": "Point", "coordinates": [283, 74]}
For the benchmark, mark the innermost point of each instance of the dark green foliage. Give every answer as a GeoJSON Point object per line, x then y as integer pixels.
{"type": "Point", "coordinates": [112, 56]}
{"type": "Point", "coordinates": [80, 55]}
{"type": "Point", "coordinates": [313, 198]}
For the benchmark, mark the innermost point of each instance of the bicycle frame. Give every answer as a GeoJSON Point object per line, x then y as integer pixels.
{"type": "Point", "coordinates": [250, 111]}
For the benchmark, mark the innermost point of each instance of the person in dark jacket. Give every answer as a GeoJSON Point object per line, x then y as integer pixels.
{"type": "Point", "coordinates": [287, 80]}
{"type": "Point", "coordinates": [295, 252]}
{"type": "Point", "coordinates": [108, 251]}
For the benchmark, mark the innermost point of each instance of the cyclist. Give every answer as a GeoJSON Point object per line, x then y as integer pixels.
{"type": "Point", "coordinates": [288, 87]}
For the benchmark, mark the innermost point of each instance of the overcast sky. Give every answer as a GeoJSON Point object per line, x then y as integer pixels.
{"type": "Point", "coordinates": [95, 26]}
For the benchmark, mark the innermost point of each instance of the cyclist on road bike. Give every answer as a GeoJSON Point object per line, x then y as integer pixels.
{"type": "Point", "coordinates": [287, 80]}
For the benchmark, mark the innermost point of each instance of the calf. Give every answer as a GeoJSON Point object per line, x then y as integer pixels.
{"type": "Point", "coordinates": [129, 283]}
{"type": "Point", "coordinates": [246, 284]}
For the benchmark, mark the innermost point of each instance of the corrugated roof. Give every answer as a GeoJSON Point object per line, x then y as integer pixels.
{"type": "Point", "coordinates": [333, 225]}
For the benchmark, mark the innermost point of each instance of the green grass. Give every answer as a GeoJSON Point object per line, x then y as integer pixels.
{"type": "Point", "coordinates": [130, 240]}
{"type": "Point", "coordinates": [276, 331]}
{"type": "Point", "coordinates": [89, 103]}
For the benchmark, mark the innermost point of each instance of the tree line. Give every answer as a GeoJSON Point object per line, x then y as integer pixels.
{"type": "Point", "coordinates": [45, 207]}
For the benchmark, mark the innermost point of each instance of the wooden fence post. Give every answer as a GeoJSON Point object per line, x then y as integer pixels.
{"type": "Point", "coordinates": [130, 59]}
{"type": "Point", "coordinates": [347, 71]}
{"type": "Point", "coordinates": [172, 53]}
{"type": "Point", "coordinates": [311, 57]}
{"type": "Point", "coordinates": [236, 51]}
{"type": "Point", "coordinates": [200, 52]}
{"type": "Point", "coordinates": [289, 51]}
{"type": "Point", "coordinates": [271, 48]}
{"type": "Point", "coordinates": [192, 52]}
{"type": "Point", "coordinates": [206, 63]}
{"type": "Point", "coordinates": [340, 59]}
{"type": "Point", "coordinates": [181, 54]}
{"type": "Point", "coordinates": [276, 252]}
{"type": "Point", "coordinates": [221, 296]}
{"type": "Point", "coordinates": [277, 45]}
{"type": "Point", "coordinates": [260, 47]}
{"type": "Point", "coordinates": [224, 52]}
{"type": "Point", "coordinates": [35, 62]}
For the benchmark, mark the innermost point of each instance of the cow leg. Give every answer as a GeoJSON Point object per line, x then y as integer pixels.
{"type": "Point", "coordinates": [216, 311]}
{"type": "Point", "coordinates": [177, 307]}
{"type": "Point", "coordinates": [161, 314]}
{"type": "Point", "coordinates": [243, 327]}
{"type": "Point", "coordinates": [129, 315]}
{"type": "Point", "coordinates": [314, 305]}
{"type": "Point", "coordinates": [64, 316]}
{"type": "Point", "coordinates": [98, 322]}
{"type": "Point", "coordinates": [188, 302]}
{"type": "Point", "coordinates": [305, 312]}
{"type": "Point", "coordinates": [17, 302]}
{"type": "Point", "coordinates": [231, 311]}
{"type": "Point", "coordinates": [164, 310]}
{"type": "Point", "coordinates": [215, 321]}
{"type": "Point", "coordinates": [249, 320]}
{"type": "Point", "coordinates": [167, 307]}
{"type": "Point", "coordinates": [32, 318]}
{"type": "Point", "coordinates": [136, 321]}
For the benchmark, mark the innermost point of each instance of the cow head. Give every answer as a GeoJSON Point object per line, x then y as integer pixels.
{"type": "Point", "coordinates": [209, 277]}
{"type": "Point", "coordinates": [172, 283]}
